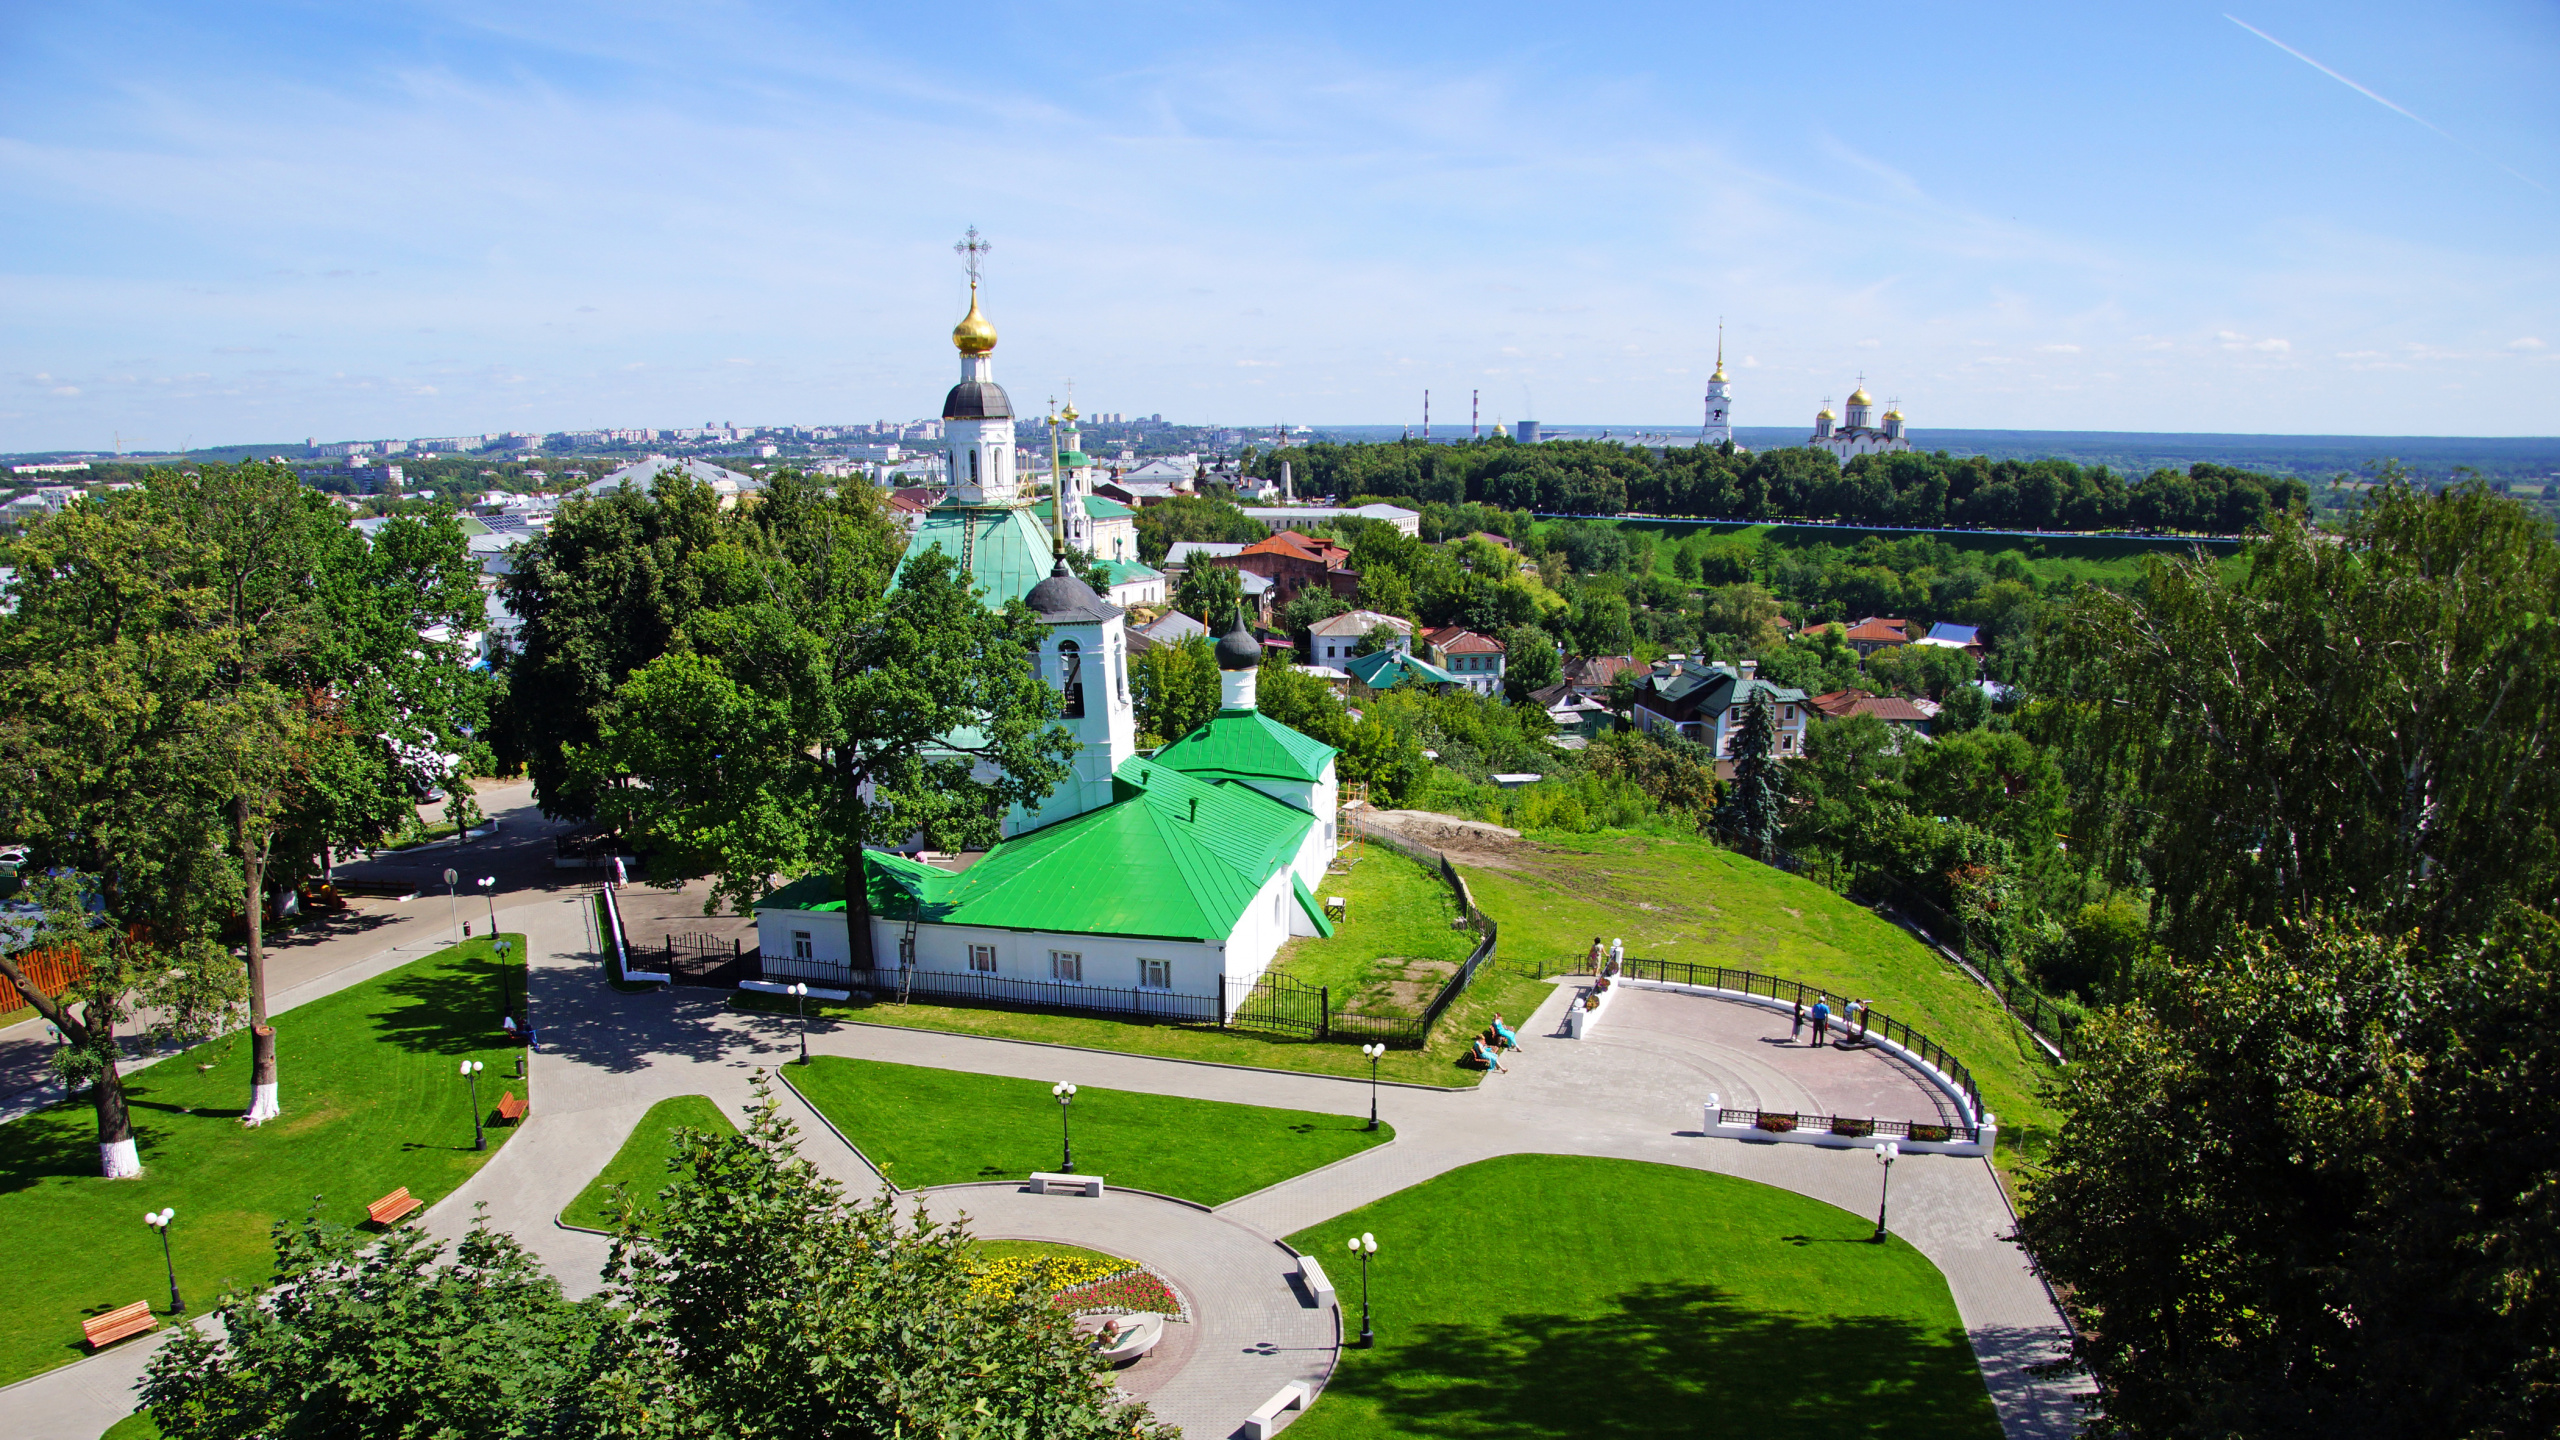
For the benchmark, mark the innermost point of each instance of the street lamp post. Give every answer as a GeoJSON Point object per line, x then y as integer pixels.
{"type": "Point", "coordinates": [1365, 1245]}
{"type": "Point", "coordinates": [489, 891]}
{"type": "Point", "coordinates": [800, 999]}
{"type": "Point", "coordinates": [453, 903]}
{"type": "Point", "coordinates": [471, 1071]}
{"type": "Point", "coordinates": [159, 1220]}
{"type": "Point", "coordinates": [1887, 1151]}
{"type": "Point", "coordinates": [1066, 1094]}
{"type": "Point", "coordinates": [1374, 1052]}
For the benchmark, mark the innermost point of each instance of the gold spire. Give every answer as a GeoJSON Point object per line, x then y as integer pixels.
{"type": "Point", "coordinates": [974, 335]}
{"type": "Point", "coordinates": [1719, 375]}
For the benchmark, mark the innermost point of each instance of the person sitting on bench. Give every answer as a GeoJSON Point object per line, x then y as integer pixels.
{"type": "Point", "coordinates": [1508, 1037]}
{"type": "Point", "coordinates": [1484, 1055]}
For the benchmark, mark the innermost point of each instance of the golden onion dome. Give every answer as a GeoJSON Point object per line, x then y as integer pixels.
{"type": "Point", "coordinates": [1894, 414]}
{"type": "Point", "coordinates": [974, 335]}
{"type": "Point", "coordinates": [1069, 414]}
{"type": "Point", "coordinates": [1826, 414]}
{"type": "Point", "coordinates": [1859, 396]}
{"type": "Point", "coordinates": [1719, 375]}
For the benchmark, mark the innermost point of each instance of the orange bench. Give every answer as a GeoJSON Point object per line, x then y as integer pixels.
{"type": "Point", "coordinates": [115, 1325]}
{"type": "Point", "coordinates": [391, 1207]}
{"type": "Point", "coordinates": [511, 1109]}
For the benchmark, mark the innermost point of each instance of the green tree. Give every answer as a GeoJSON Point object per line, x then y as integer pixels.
{"type": "Point", "coordinates": [1210, 594]}
{"type": "Point", "coordinates": [1529, 663]}
{"type": "Point", "coordinates": [814, 708]}
{"type": "Point", "coordinates": [1175, 688]}
{"type": "Point", "coordinates": [1301, 701]}
{"type": "Point", "coordinates": [1310, 606]}
{"type": "Point", "coordinates": [1379, 638]}
{"type": "Point", "coordinates": [1748, 613]}
{"type": "Point", "coordinates": [1930, 670]}
{"type": "Point", "coordinates": [2303, 1188]}
{"type": "Point", "coordinates": [1752, 803]}
{"type": "Point", "coordinates": [2361, 723]}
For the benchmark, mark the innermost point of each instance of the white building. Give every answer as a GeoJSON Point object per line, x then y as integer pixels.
{"type": "Point", "coordinates": [1719, 426]}
{"type": "Point", "coordinates": [1290, 517]}
{"type": "Point", "coordinates": [1858, 437]}
{"type": "Point", "coordinates": [1336, 639]}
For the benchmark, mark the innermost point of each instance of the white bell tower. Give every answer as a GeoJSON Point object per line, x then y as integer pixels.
{"type": "Point", "coordinates": [1719, 426]}
{"type": "Point", "coordinates": [1085, 653]}
{"type": "Point", "coordinates": [977, 416]}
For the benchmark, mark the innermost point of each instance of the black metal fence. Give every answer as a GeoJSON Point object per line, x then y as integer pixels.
{"type": "Point", "coordinates": [711, 960]}
{"type": "Point", "coordinates": [1778, 987]}
{"type": "Point", "coordinates": [1286, 1006]}
{"type": "Point", "coordinates": [1854, 1127]}
{"type": "Point", "coordinates": [969, 988]}
{"type": "Point", "coordinates": [1487, 934]}
{"type": "Point", "coordinates": [2032, 1007]}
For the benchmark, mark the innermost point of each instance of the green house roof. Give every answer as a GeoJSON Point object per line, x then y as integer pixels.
{"type": "Point", "coordinates": [1124, 571]}
{"type": "Point", "coordinates": [1173, 857]}
{"type": "Point", "coordinates": [1247, 744]}
{"type": "Point", "coordinates": [1095, 507]}
{"type": "Point", "coordinates": [1386, 669]}
{"type": "Point", "coordinates": [1004, 548]}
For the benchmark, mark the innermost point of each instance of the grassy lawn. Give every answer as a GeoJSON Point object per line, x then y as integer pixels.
{"type": "Point", "coordinates": [1396, 949]}
{"type": "Point", "coordinates": [372, 1103]}
{"type": "Point", "coordinates": [1547, 1295]}
{"type": "Point", "coordinates": [1688, 900]}
{"type": "Point", "coordinates": [2089, 559]}
{"type": "Point", "coordinates": [1508, 993]}
{"type": "Point", "coordinates": [137, 1426]}
{"type": "Point", "coordinates": [640, 1166]}
{"type": "Point", "coordinates": [940, 1127]}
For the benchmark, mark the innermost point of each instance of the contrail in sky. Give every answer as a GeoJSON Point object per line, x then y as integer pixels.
{"type": "Point", "coordinates": [2393, 106]}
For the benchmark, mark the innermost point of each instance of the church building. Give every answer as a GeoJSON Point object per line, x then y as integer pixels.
{"type": "Point", "coordinates": [1858, 437]}
{"type": "Point", "coordinates": [1141, 882]}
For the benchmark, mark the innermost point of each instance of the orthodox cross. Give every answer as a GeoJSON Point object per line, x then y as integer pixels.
{"type": "Point", "coordinates": [970, 248]}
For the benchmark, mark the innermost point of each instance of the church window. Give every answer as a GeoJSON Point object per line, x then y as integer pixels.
{"type": "Point", "coordinates": [1067, 966]}
{"type": "Point", "coordinates": [1071, 678]}
{"type": "Point", "coordinates": [1155, 974]}
{"type": "Point", "coordinates": [973, 467]}
{"type": "Point", "coordinates": [982, 958]}
{"type": "Point", "coordinates": [801, 949]}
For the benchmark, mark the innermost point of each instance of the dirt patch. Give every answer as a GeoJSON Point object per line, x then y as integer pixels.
{"type": "Point", "coordinates": [1468, 842]}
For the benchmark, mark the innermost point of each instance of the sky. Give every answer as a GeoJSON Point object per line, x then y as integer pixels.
{"type": "Point", "coordinates": [253, 222]}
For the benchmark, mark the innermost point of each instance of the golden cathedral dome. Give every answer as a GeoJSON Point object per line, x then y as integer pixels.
{"type": "Point", "coordinates": [1861, 397]}
{"type": "Point", "coordinates": [974, 335]}
{"type": "Point", "coordinates": [1826, 414]}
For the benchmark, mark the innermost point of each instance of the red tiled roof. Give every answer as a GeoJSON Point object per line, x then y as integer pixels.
{"type": "Point", "coordinates": [1873, 628]}
{"type": "Point", "coordinates": [1890, 708]}
{"type": "Point", "coordinates": [1597, 669]}
{"type": "Point", "coordinates": [1839, 702]}
{"type": "Point", "coordinates": [1459, 640]}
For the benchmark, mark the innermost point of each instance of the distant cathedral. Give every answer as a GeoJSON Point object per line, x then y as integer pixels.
{"type": "Point", "coordinates": [1858, 437]}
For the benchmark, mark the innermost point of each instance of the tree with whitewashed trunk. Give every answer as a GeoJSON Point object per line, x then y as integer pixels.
{"type": "Point", "coordinates": [194, 992]}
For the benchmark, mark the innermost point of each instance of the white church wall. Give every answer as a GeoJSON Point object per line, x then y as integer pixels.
{"type": "Point", "coordinates": [1107, 962]}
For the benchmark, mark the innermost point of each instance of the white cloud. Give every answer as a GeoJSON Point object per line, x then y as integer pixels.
{"type": "Point", "coordinates": [2526, 343]}
{"type": "Point", "coordinates": [2059, 349]}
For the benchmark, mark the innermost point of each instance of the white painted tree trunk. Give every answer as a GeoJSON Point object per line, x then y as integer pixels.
{"type": "Point", "coordinates": [263, 1105]}
{"type": "Point", "coordinates": [120, 1159]}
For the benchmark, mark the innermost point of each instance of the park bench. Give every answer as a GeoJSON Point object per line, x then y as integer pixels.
{"type": "Point", "coordinates": [1263, 1423]}
{"type": "Point", "coordinates": [511, 1109]}
{"type": "Point", "coordinates": [391, 1207]}
{"type": "Point", "coordinates": [1043, 1181]}
{"type": "Point", "coordinates": [1318, 1287]}
{"type": "Point", "coordinates": [105, 1330]}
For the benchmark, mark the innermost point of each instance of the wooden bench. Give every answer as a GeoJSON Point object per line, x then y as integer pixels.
{"type": "Point", "coordinates": [105, 1330]}
{"type": "Point", "coordinates": [1044, 1181]}
{"type": "Point", "coordinates": [511, 1109]}
{"type": "Point", "coordinates": [1317, 1285]}
{"type": "Point", "coordinates": [1262, 1424]}
{"type": "Point", "coordinates": [389, 1209]}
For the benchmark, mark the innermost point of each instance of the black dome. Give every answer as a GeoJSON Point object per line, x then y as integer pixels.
{"type": "Point", "coordinates": [1063, 599]}
{"type": "Point", "coordinates": [1237, 649]}
{"type": "Point", "coordinates": [977, 400]}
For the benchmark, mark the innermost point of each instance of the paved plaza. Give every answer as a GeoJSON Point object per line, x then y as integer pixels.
{"type": "Point", "coordinates": [1632, 1090]}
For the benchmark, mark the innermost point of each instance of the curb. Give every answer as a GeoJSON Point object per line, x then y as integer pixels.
{"type": "Point", "coordinates": [876, 1172]}
{"type": "Point", "coordinates": [1386, 1144]}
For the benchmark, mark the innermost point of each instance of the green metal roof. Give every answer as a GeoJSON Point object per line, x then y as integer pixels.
{"type": "Point", "coordinates": [1247, 744]}
{"type": "Point", "coordinates": [1386, 669]}
{"type": "Point", "coordinates": [1004, 548]}
{"type": "Point", "coordinates": [1315, 912]}
{"type": "Point", "coordinates": [1095, 507]}
{"type": "Point", "coordinates": [1124, 571]}
{"type": "Point", "coordinates": [1172, 857]}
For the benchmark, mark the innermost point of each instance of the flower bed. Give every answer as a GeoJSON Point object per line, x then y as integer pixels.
{"type": "Point", "coordinates": [1846, 1126]}
{"type": "Point", "coordinates": [1933, 1134]}
{"type": "Point", "coordinates": [1776, 1124]}
{"type": "Point", "coordinates": [1050, 1274]}
{"type": "Point", "coordinates": [1132, 1290]}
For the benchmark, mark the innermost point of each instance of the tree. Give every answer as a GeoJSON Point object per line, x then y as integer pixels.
{"type": "Point", "coordinates": [1751, 803]}
{"type": "Point", "coordinates": [2359, 725]}
{"type": "Point", "coordinates": [1311, 605]}
{"type": "Point", "coordinates": [2303, 1188]}
{"type": "Point", "coordinates": [1381, 637]}
{"type": "Point", "coordinates": [1746, 612]}
{"type": "Point", "coordinates": [1677, 777]}
{"type": "Point", "coordinates": [192, 992]}
{"type": "Point", "coordinates": [813, 707]}
{"type": "Point", "coordinates": [1300, 701]}
{"type": "Point", "coordinates": [1529, 662]}
{"type": "Point", "coordinates": [1930, 670]}
{"type": "Point", "coordinates": [1210, 594]}
{"type": "Point", "coordinates": [1175, 688]}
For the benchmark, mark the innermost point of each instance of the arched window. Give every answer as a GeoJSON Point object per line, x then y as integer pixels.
{"type": "Point", "coordinates": [973, 467]}
{"type": "Point", "coordinates": [1071, 679]}
{"type": "Point", "coordinates": [1120, 668]}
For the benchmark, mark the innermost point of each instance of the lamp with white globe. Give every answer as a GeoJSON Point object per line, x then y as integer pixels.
{"type": "Point", "coordinates": [159, 1220]}
{"type": "Point", "coordinates": [471, 1071]}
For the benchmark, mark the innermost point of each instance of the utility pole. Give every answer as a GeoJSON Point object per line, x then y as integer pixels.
{"type": "Point", "coordinates": [1426, 417]}
{"type": "Point", "coordinates": [1473, 417]}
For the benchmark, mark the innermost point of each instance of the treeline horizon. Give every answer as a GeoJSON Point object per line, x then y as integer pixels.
{"type": "Point", "coordinates": [1909, 489]}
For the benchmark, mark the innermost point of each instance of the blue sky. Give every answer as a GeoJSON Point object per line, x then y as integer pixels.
{"type": "Point", "coordinates": [249, 222]}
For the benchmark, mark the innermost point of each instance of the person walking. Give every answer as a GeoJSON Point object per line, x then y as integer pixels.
{"type": "Point", "coordinates": [1598, 953]}
{"type": "Point", "coordinates": [1797, 1032]}
{"type": "Point", "coordinates": [1857, 1022]}
{"type": "Point", "coordinates": [1821, 1021]}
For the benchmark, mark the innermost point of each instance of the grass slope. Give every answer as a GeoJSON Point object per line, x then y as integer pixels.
{"type": "Point", "coordinates": [941, 1127]}
{"type": "Point", "coordinates": [372, 1103]}
{"type": "Point", "coordinates": [1553, 1296]}
{"type": "Point", "coordinates": [1396, 948]}
{"type": "Point", "coordinates": [2099, 559]}
{"type": "Point", "coordinates": [640, 1166]}
{"type": "Point", "coordinates": [1689, 900]}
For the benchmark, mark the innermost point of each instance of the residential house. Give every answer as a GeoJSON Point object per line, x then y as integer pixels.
{"type": "Point", "coordinates": [1386, 669]}
{"type": "Point", "coordinates": [1335, 640]}
{"type": "Point", "coordinates": [1967, 638]}
{"type": "Point", "coordinates": [1590, 675]}
{"type": "Point", "coordinates": [1875, 633]}
{"type": "Point", "coordinates": [1295, 563]}
{"type": "Point", "coordinates": [1282, 517]}
{"type": "Point", "coordinates": [1181, 555]}
{"type": "Point", "coordinates": [1891, 709]}
{"type": "Point", "coordinates": [1698, 700]}
{"type": "Point", "coordinates": [1475, 659]}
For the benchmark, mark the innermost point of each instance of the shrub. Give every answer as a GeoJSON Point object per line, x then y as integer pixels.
{"type": "Point", "coordinates": [1933, 1134]}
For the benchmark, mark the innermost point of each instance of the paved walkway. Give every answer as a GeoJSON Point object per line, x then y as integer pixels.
{"type": "Point", "coordinates": [1632, 1091]}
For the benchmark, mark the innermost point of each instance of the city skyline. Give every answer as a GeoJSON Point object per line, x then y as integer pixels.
{"type": "Point", "coordinates": [444, 219]}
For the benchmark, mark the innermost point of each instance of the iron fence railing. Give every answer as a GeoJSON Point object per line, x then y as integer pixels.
{"type": "Point", "coordinates": [1005, 991]}
{"type": "Point", "coordinates": [1854, 1127]}
{"type": "Point", "coordinates": [1284, 1005]}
